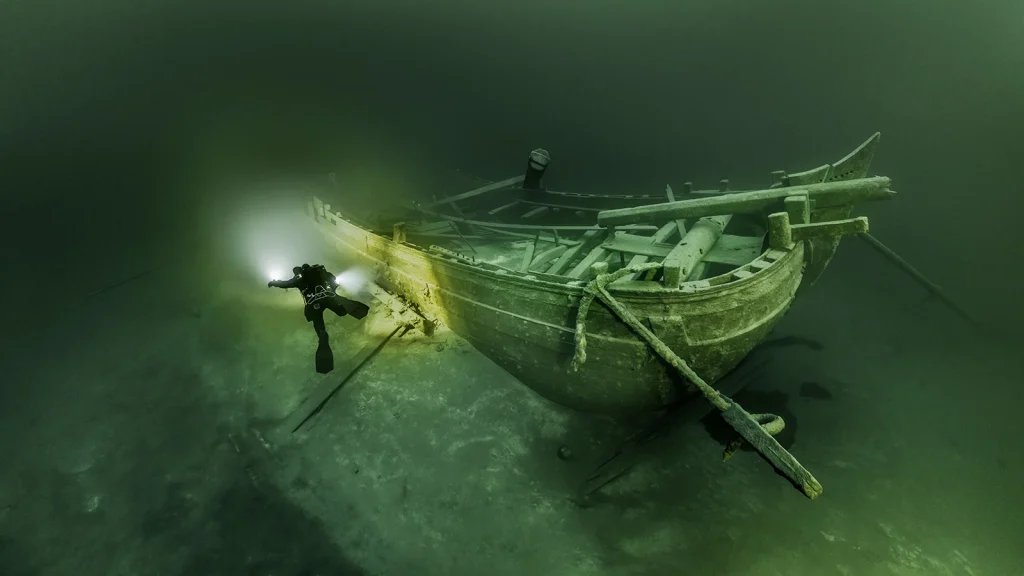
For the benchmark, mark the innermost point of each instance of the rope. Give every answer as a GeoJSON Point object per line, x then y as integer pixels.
{"type": "Point", "coordinates": [771, 423]}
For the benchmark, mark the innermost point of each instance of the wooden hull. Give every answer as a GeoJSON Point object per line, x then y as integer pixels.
{"type": "Point", "coordinates": [526, 324]}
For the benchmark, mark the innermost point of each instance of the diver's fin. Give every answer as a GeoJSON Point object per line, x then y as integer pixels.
{"type": "Point", "coordinates": [357, 310]}
{"type": "Point", "coordinates": [324, 357]}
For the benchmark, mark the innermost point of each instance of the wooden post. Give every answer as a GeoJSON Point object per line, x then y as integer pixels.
{"type": "Point", "coordinates": [780, 233]}
{"type": "Point", "coordinates": [799, 209]}
{"type": "Point", "coordinates": [398, 233]}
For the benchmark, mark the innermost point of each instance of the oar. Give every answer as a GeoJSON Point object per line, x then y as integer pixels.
{"type": "Point", "coordinates": [932, 287]}
{"type": "Point", "coordinates": [732, 412]}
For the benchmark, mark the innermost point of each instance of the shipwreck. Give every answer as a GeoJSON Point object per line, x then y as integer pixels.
{"type": "Point", "coordinates": [689, 281]}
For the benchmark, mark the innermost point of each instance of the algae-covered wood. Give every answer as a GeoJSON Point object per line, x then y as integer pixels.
{"type": "Point", "coordinates": [519, 308]}
{"type": "Point", "coordinates": [527, 325]}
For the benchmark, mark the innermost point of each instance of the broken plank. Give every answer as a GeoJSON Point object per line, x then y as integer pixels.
{"type": "Point", "coordinates": [535, 212]}
{"type": "Point", "coordinates": [547, 256]}
{"type": "Point", "coordinates": [582, 269]}
{"type": "Point", "coordinates": [503, 207]}
{"type": "Point", "coordinates": [590, 239]}
{"type": "Point", "coordinates": [528, 255]}
{"type": "Point", "coordinates": [632, 244]}
{"type": "Point", "coordinates": [330, 385]}
{"type": "Point", "coordinates": [476, 192]}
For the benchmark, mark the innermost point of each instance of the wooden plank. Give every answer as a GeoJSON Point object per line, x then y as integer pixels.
{"type": "Point", "coordinates": [503, 207]}
{"type": "Point", "coordinates": [831, 229]}
{"type": "Point", "coordinates": [632, 244]}
{"type": "Point", "coordinates": [476, 192]}
{"type": "Point", "coordinates": [734, 250]}
{"type": "Point", "coordinates": [824, 195]}
{"type": "Point", "coordinates": [587, 243]}
{"type": "Point", "coordinates": [535, 212]}
{"type": "Point", "coordinates": [332, 383]}
{"type": "Point", "coordinates": [582, 269]}
{"type": "Point", "coordinates": [547, 256]}
{"type": "Point", "coordinates": [528, 255]}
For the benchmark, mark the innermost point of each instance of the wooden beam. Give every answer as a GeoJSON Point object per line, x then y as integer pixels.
{"type": "Point", "coordinates": [824, 195]}
{"type": "Point", "coordinates": [332, 383]}
{"type": "Point", "coordinates": [476, 191]}
{"type": "Point", "coordinates": [535, 212]}
{"type": "Point", "coordinates": [691, 249]}
{"type": "Point", "coordinates": [534, 227]}
{"type": "Point", "coordinates": [632, 244]}
{"type": "Point", "coordinates": [831, 229]}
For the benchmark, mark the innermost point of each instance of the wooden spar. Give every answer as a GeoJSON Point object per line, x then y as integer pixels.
{"type": "Point", "coordinates": [823, 195]}
{"type": "Point", "coordinates": [535, 212]}
{"type": "Point", "coordinates": [476, 192]}
{"type": "Point", "coordinates": [534, 227]}
{"type": "Point", "coordinates": [690, 251]}
{"type": "Point", "coordinates": [920, 278]}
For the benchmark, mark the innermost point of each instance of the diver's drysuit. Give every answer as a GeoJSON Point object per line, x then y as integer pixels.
{"type": "Point", "coordinates": [318, 290]}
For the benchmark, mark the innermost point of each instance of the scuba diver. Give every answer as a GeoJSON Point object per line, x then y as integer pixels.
{"type": "Point", "coordinates": [318, 290]}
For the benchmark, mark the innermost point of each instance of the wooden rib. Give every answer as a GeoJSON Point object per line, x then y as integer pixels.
{"type": "Point", "coordinates": [582, 269]}
{"type": "Point", "coordinates": [547, 256]}
{"type": "Point", "coordinates": [590, 239]}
